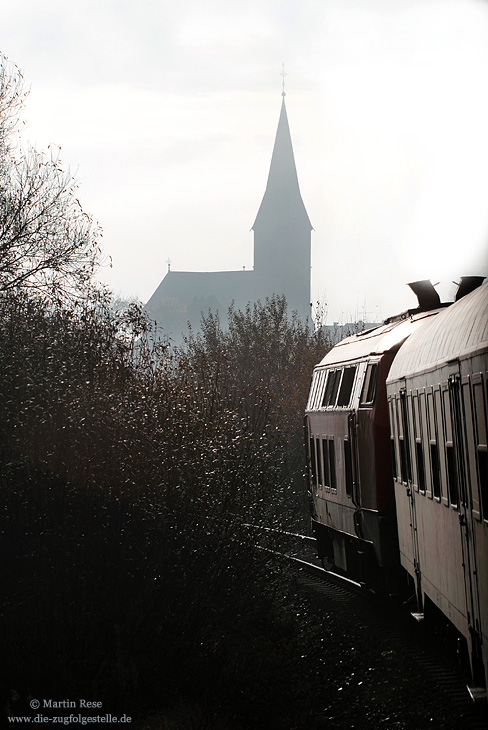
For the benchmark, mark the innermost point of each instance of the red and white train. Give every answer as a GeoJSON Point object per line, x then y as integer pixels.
{"type": "Point", "coordinates": [398, 461]}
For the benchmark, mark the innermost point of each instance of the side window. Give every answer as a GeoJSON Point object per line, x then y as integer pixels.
{"type": "Point", "coordinates": [328, 453]}
{"type": "Point", "coordinates": [320, 473]}
{"type": "Point", "coordinates": [439, 425]}
{"type": "Point", "coordinates": [393, 431]}
{"type": "Point", "coordinates": [424, 438]}
{"type": "Point", "coordinates": [452, 469]}
{"type": "Point", "coordinates": [328, 388]}
{"type": "Point", "coordinates": [313, 390]}
{"type": "Point", "coordinates": [325, 456]}
{"type": "Point", "coordinates": [434, 460]}
{"type": "Point", "coordinates": [481, 443]}
{"type": "Point", "coordinates": [335, 387]}
{"type": "Point", "coordinates": [331, 388]}
{"type": "Point", "coordinates": [320, 389]}
{"type": "Point", "coordinates": [346, 386]}
{"type": "Point", "coordinates": [405, 461]}
{"type": "Point", "coordinates": [434, 448]}
{"type": "Point", "coordinates": [419, 448]}
{"type": "Point", "coordinates": [369, 386]}
{"type": "Point", "coordinates": [468, 402]}
{"type": "Point", "coordinates": [420, 465]}
{"type": "Point", "coordinates": [332, 466]}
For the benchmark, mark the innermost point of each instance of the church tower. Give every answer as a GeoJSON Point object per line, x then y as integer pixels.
{"type": "Point", "coordinates": [282, 254]}
{"type": "Point", "coordinates": [282, 229]}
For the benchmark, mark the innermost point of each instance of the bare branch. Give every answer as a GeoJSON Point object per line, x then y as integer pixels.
{"type": "Point", "coordinates": [48, 244]}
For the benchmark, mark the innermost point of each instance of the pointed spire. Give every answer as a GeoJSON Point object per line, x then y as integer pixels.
{"type": "Point", "coordinates": [282, 195]}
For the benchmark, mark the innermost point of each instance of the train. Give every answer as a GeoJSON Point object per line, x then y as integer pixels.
{"type": "Point", "coordinates": [396, 440]}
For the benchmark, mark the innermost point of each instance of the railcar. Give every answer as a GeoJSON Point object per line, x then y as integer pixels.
{"type": "Point", "coordinates": [348, 439]}
{"type": "Point", "coordinates": [437, 400]}
{"type": "Point", "coordinates": [396, 433]}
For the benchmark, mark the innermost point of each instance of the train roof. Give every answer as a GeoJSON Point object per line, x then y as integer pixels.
{"type": "Point", "coordinates": [456, 332]}
{"type": "Point", "coordinates": [385, 338]}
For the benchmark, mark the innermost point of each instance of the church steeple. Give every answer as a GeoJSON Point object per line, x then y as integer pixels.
{"type": "Point", "coordinates": [282, 251]}
{"type": "Point", "coordinates": [282, 196]}
{"type": "Point", "coordinates": [282, 229]}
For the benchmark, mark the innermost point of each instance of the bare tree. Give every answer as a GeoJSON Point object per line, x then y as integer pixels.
{"type": "Point", "coordinates": [48, 244]}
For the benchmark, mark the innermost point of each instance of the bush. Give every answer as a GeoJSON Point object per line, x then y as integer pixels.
{"type": "Point", "coordinates": [129, 473]}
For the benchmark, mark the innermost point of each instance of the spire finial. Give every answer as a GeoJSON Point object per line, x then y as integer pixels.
{"type": "Point", "coordinates": [168, 261]}
{"type": "Point", "coordinates": [283, 74]}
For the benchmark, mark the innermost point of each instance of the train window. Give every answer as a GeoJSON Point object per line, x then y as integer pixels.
{"type": "Point", "coordinates": [419, 451]}
{"type": "Point", "coordinates": [325, 456]}
{"type": "Point", "coordinates": [405, 461]}
{"type": "Point", "coordinates": [393, 459]}
{"type": "Point", "coordinates": [313, 390]}
{"type": "Point", "coordinates": [346, 386]}
{"type": "Point", "coordinates": [317, 398]}
{"type": "Point", "coordinates": [467, 400]}
{"type": "Point", "coordinates": [332, 387]}
{"type": "Point", "coordinates": [424, 437]}
{"type": "Point", "coordinates": [313, 387]}
{"type": "Point", "coordinates": [335, 387]}
{"type": "Point", "coordinates": [328, 387]}
{"type": "Point", "coordinates": [440, 440]}
{"type": "Point", "coordinates": [482, 446]}
{"type": "Point", "coordinates": [348, 466]}
{"type": "Point", "coordinates": [392, 410]}
{"type": "Point", "coordinates": [328, 453]}
{"type": "Point", "coordinates": [369, 386]}
{"type": "Point", "coordinates": [452, 477]}
{"type": "Point", "coordinates": [333, 481]}
{"type": "Point", "coordinates": [436, 474]}
{"type": "Point", "coordinates": [320, 474]}
{"type": "Point", "coordinates": [431, 440]}
{"type": "Point", "coordinates": [416, 416]}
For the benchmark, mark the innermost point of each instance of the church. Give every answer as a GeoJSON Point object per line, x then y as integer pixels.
{"type": "Point", "coordinates": [282, 256]}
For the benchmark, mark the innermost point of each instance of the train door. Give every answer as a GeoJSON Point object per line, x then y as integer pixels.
{"type": "Point", "coordinates": [406, 476]}
{"type": "Point", "coordinates": [405, 500]}
{"type": "Point", "coordinates": [459, 475]}
{"type": "Point", "coordinates": [351, 464]}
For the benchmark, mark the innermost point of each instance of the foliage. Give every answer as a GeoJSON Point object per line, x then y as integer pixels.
{"type": "Point", "coordinates": [48, 244]}
{"type": "Point", "coordinates": [259, 367]}
{"type": "Point", "coordinates": [129, 471]}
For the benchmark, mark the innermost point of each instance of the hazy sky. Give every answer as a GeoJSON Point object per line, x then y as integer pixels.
{"type": "Point", "coordinates": [167, 114]}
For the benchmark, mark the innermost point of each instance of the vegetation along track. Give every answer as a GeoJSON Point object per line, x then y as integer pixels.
{"type": "Point", "coordinates": [386, 629]}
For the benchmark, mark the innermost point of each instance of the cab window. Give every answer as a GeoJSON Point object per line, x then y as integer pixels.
{"type": "Point", "coordinates": [369, 386]}
{"type": "Point", "coordinates": [331, 388]}
{"type": "Point", "coordinates": [346, 386]}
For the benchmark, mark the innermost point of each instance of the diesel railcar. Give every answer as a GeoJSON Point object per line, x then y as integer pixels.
{"type": "Point", "coordinates": [351, 478]}
{"type": "Point", "coordinates": [375, 420]}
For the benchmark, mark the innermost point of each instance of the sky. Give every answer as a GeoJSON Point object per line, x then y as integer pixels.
{"type": "Point", "coordinates": [166, 113]}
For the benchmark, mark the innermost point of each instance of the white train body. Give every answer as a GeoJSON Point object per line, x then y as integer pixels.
{"type": "Point", "coordinates": [437, 400]}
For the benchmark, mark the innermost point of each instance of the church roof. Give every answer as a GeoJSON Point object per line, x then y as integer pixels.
{"type": "Point", "coordinates": [194, 284]}
{"type": "Point", "coordinates": [282, 193]}
{"type": "Point", "coordinates": [183, 295]}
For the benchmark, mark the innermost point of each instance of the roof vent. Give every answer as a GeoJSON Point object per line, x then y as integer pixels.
{"type": "Point", "coordinates": [466, 285]}
{"type": "Point", "coordinates": [426, 294]}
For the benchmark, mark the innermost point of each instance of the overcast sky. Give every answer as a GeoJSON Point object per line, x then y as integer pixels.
{"type": "Point", "coordinates": [167, 114]}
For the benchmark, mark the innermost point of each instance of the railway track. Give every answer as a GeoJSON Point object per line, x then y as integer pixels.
{"type": "Point", "coordinates": [387, 619]}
